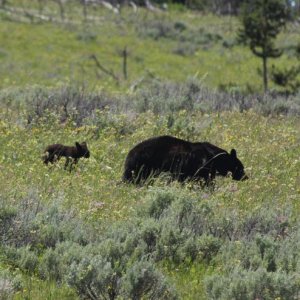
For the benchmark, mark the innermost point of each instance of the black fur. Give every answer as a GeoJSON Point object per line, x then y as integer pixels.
{"type": "Point", "coordinates": [182, 159]}
{"type": "Point", "coordinates": [56, 151]}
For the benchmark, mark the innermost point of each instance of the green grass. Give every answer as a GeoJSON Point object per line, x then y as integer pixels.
{"type": "Point", "coordinates": [55, 54]}
{"type": "Point", "coordinates": [272, 171]}
{"type": "Point", "coordinates": [38, 289]}
{"type": "Point", "coordinates": [268, 147]}
{"type": "Point", "coordinates": [188, 279]}
{"type": "Point", "coordinates": [48, 54]}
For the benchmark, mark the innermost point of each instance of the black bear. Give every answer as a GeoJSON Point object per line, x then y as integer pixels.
{"type": "Point", "coordinates": [182, 159]}
{"type": "Point", "coordinates": [56, 151]}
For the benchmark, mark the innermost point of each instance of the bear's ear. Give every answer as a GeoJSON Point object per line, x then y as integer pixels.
{"type": "Point", "coordinates": [77, 145]}
{"type": "Point", "coordinates": [233, 153]}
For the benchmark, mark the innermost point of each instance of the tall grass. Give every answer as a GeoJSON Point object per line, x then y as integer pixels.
{"type": "Point", "coordinates": [85, 107]}
{"type": "Point", "coordinates": [88, 230]}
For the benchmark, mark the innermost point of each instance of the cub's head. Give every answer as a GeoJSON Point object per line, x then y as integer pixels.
{"type": "Point", "coordinates": [83, 149]}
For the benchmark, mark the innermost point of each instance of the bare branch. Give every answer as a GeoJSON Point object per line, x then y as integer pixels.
{"type": "Point", "coordinates": [103, 69]}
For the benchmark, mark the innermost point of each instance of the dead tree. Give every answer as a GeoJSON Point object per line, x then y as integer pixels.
{"type": "Point", "coordinates": [125, 54]}
{"type": "Point", "coordinates": [61, 9]}
{"type": "Point", "coordinates": [103, 69]}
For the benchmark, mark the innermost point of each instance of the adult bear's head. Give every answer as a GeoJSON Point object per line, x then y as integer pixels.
{"type": "Point", "coordinates": [230, 163]}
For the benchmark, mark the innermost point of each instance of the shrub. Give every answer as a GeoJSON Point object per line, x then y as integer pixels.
{"type": "Point", "coordinates": [6, 286]}
{"type": "Point", "coordinates": [150, 233]}
{"type": "Point", "coordinates": [159, 202]}
{"type": "Point", "coordinates": [203, 248]}
{"type": "Point", "coordinates": [260, 284]}
{"type": "Point", "coordinates": [78, 107]}
{"type": "Point", "coordinates": [86, 35]}
{"type": "Point", "coordinates": [173, 225]}
{"type": "Point", "coordinates": [32, 224]}
{"type": "Point", "coordinates": [142, 280]}
{"type": "Point", "coordinates": [185, 49]}
{"type": "Point", "coordinates": [7, 215]}
{"type": "Point", "coordinates": [22, 258]}
{"type": "Point", "coordinates": [17, 222]}
{"type": "Point", "coordinates": [157, 29]}
{"type": "Point", "coordinates": [55, 263]}
{"type": "Point", "coordinates": [50, 266]}
{"type": "Point", "coordinates": [288, 256]}
{"type": "Point", "coordinates": [264, 267]}
{"type": "Point", "coordinates": [208, 247]}
{"type": "Point", "coordinates": [110, 274]}
{"type": "Point", "coordinates": [70, 103]}
{"type": "Point", "coordinates": [94, 278]}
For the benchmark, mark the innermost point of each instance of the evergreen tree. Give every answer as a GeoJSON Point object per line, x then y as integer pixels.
{"type": "Point", "coordinates": [288, 78]}
{"type": "Point", "coordinates": [262, 21]}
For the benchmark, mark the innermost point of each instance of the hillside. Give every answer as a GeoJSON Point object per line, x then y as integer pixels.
{"type": "Point", "coordinates": [59, 52]}
{"type": "Point", "coordinates": [85, 234]}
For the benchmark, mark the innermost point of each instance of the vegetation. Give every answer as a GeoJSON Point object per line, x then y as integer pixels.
{"type": "Point", "coordinates": [288, 77]}
{"type": "Point", "coordinates": [78, 229]}
{"type": "Point", "coordinates": [55, 53]}
{"type": "Point", "coordinates": [262, 22]}
{"type": "Point", "coordinates": [85, 234]}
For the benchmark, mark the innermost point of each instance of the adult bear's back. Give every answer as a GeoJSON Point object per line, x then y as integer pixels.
{"type": "Point", "coordinates": [151, 154]}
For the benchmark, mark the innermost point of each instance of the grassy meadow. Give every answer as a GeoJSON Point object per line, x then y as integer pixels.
{"type": "Point", "coordinates": [94, 194]}
{"type": "Point", "coordinates": [55, 54]}
{"type": "Point", "coordinates": [85, 234]}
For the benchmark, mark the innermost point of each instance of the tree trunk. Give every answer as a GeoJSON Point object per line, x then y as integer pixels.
{"type": "Point", "coordinates": [84, 10]}
{"type": "Point", "coordinates": [265, 73]}
{"type": "Point", "coordinates": [41, 6]}
{"type": "Point", "coordinates": [61, 9]}
{"type": "Point", "coordinates": [124, 53]}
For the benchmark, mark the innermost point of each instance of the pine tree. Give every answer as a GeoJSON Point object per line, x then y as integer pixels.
{"type": "Point", "coordinates": [262, 21]}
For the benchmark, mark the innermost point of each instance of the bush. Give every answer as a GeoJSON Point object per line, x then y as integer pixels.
{"type": "Point", "coordinates": [70, 103]}
{"type": "Point", "coordinates": [51, 266]}
{"type": "Point", "coordinates": [94, 278]}
{"type": "Point", "coordinates": [264, 267]}
{"type": "Point", "coordinates": [243, 285]}
{"type": "Point", "coordinates": [159, 202]}
{"type": "Point", "coordinates": [55, 263]}
{"type": "Point", "coordinates": [22, 258]}
{"type": "Point", "coordinates": [87, 35]}
{"type": "Point", "coordinates": [157, 29]}
{"type": "Point", "coordinates": [180, 32]}
{"type": "Point", "coordinates": [143, 280]}
{"type": "Point", "coordinates": [110, 274]}
{"type": "Point", "coordinates": [8, 285]}
{"type": "Point", "coordinates": [32, 224]}
{"type": "Point", "coordinates": [77, 107]}
{"type": "Point", "coordinates": [185, 49]}
{"type": "Point", "coordinates": [7, 215]}
{"type": "Point", "coordinates": [172, 225]}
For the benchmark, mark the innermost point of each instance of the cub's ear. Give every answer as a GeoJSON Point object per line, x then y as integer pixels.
{"type": "Point", "coordinates": [77, 145]}
{"type": "Point", "coordinates": [233, 153]}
